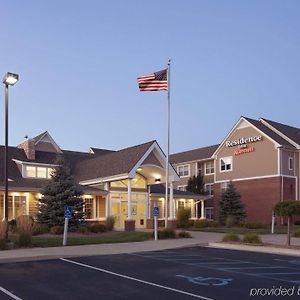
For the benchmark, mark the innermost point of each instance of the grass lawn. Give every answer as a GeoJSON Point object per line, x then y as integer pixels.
{"type": "Point", "coordinates": [242, 230]}
{"type": "Point", "coordinates": [119, 237]}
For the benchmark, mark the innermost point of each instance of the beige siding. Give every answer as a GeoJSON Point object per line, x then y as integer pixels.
{"type": "Point", "coordinates": [101, 203]}
{"type": "Point", "coordinates": [262, 161]}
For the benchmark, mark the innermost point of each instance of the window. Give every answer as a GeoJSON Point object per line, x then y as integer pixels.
{"type": "Point", "coordinates": [180, 205]}
{"type": "Point", "coordinates": [138, 182]}
{"type": "Point", "coordinates": [182, 187]}
{"type": "Point", "coordinates": [209, 168]}
{"type": "Point", "coordinates": [226, 164]}
{"type": "Point", "coordinates": [208, 188]}
{"type": "Point", "coordinates": [183, 170]}
{"type": "Point", "coordinates": [16, 206]}
{"type": "Point", "coordinates": [89, 208]}
{"type": "Point", "coordinates": [38, 172]}
{"type": "Point", "coordinates": [224, 186]}
{"type": "Point", "coordinates": [291, 163]}
{"type": "Point", "coordinates": [198, 168]}
{"type": "Point", "coordinates": [209, 213]}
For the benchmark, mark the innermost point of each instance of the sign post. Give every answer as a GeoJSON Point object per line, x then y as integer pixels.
{"type": "Point", "coordinates": [68, 215]}
{"type": "Point", "coordinates": [273, 222]}
{"type": "Point", "coordinates": [155, 214]}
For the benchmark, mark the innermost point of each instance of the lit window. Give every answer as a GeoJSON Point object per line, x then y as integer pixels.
{"type": "Point", "coordinates": [30, 171]}
{"type": "Point", "coordinates": [209, 168]}
{"type": "Point", "coordinates": [16, 206]}
{"type": "Point", "coordinates": [291, 163]}
{"type": "Point", "coordinates": [41, 172]}
{"type": "Point", "coordinates": [50, 172]}
{"type": "Point", "coordinates": [89, 208]}
{"type": "Point", "coordinates": [183, 171]}
{"type": "Point", "coordinates": [208, 188]}
{"type": "Point", "coordinates": [226, 164]}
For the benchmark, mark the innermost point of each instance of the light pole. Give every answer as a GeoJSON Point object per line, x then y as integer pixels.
{"type": "Point", "coordinates": [9, 79]}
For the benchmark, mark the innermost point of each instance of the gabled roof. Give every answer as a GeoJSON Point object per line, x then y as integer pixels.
{"type": "Point", "coordinates": [114, 163]}
{"type": "Point", "coordinates": [269, 132]}
{"type": "Point", "coordinates": [292, 133]}
{"type": "Point", "coordinates": [99, 151]}
{"type": "Point", "coordinates": [46, 135]}
{"type": "Point", "coordinates": [192, 155]}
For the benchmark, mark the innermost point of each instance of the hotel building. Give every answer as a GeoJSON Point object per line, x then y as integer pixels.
{"type": "Point", "coordinates": [126, 184]}
{"type": "Point", "coordinates": [260, 157]}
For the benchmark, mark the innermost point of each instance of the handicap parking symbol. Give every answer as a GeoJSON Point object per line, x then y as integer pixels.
{"type": "Point", "coordinates": [207, 281]}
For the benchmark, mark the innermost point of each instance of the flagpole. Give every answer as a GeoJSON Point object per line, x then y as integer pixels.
{"type": "Point", "coordinates": [168, 144]}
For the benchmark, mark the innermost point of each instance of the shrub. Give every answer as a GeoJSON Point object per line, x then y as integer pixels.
{"type": "Point", "coordinates": [57, 230]}
{"type": "Point", "coordinates": [230, 221]}
{"type": "Point", "coordinates": [25, 229]}
{"type": "Point", "coordinates": [252, 238]}
{"type": "Point", "coordinates": [110, 223]}
{"type": "Point", "coordinates": [12, 226]}
{"type": "Point", "coordinates": [166, 234]}
{"type": "Point", "coordinates": [183, 217]}
{"type": "Point", "coordinates": [40, 229]}
{"type": "Point", "coordinates": [3, 228]}
{"type": "Point", "coordinates": [296, 233]}
{"type": "Point", "coordinates": [213, 224]}
{"type": "Point", "coordinates": [231, 237]}
{"type": "Point", "coordinates": [253, 225]}
{"type": "Point", "coordinates": [95, 228]}
{"type": "Point", "coordinates": [83, 229]}
{"type": "Point", "coordinates": [297, 222]}
{"type": "Point", "coordinates": [184, 234]}
{"type": "Point", "coordinates": [201, 223]}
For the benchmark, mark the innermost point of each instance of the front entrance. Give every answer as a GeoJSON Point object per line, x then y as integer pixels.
{"type": "Point", "coordinates": [120, 209]}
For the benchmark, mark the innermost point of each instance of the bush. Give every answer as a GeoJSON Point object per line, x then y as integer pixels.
{"type": "Point", "coordinates": [83, 229]}
{"type": "Point", "coordinates": [183, 217]}
{"type": "Point", "coordinates": [230, 221]}
{"type": "Point", "coordinates": [3, 228]}
{"type": "Point", "coordinates": [254, 225]}
{"type": "Point", "coordinates": [95, 228]}
{"type": "Point", "coordinates": [57, 230]}
{"type": "Point", "coordinates": [184, 234]}
{"type": "Point", "coordinates": [40, 229]}
{"type": "Point", "coordinates": [12, 226]}
{"type": "Point", "coordinates": [252, 238]}
{"type": "Point", "coordinates": [166, 234]}
{"type": "Point", "coordinates": [297, 222]}
{"type": "Point", "coordinates": [296, 233]}
{"type": "Point", "coordinates": [231, 237]}
{"type": "Point", "coordinates": [110, 223]}
{"type": "Point", "coordinates": [25, 229]}
{"type": "Point", "coordinates": [201, 224]}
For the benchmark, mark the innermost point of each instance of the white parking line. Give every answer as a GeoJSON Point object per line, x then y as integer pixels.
{"type": "Point", "coordinates": [136, 279]}
{"type": "Point", "coordinates": [9, 293]}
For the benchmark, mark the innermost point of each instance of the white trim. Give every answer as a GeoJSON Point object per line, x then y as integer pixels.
{"type": "Point", "coordinates": [33, 163]}
{"type": "Point", "coordinates": [183, 165]}
{"type": "Point", "coordinates": [104, 179]}
{"type": "Point", "coordinates": [180, 186]}
{"type": "Point", "coordinates": [234, 128]}
{"type": "Point", "coordinates": [291, 159]}
{"type": "Point", "coordinates": [209, 174]}
{"type": "Point", "coordinates": [211, 188]}
{"type": "Point", "coordinates": [51, 141]}
{"type": "Point", "coordinates": [262, 120]}
{"type": "Point", "coordinates": [278, 161]}
{"type": "Point", "coordinates": [257, 177]}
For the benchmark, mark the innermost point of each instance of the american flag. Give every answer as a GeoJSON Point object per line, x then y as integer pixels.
{"type": "Point", "coordinates": [157, 81]}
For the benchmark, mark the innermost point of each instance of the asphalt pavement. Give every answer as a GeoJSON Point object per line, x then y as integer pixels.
{"type": "Point", "coordinates": [186, 273]}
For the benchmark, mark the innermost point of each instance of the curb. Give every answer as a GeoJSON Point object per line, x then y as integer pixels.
{"type": "Point", "coordinates": [260, 249]}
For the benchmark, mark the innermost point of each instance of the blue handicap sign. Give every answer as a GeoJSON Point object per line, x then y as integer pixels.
{"type": "Point", "coordinates": [156, 211]}
{"type": "Point", "coordinates": [68, 212]}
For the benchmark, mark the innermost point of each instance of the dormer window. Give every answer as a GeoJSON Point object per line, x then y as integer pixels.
{"type": "Point", "coordinates": [38, 172]}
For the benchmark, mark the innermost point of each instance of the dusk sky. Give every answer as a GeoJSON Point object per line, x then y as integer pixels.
{"type": "Point", "coordinates": [78, 63]}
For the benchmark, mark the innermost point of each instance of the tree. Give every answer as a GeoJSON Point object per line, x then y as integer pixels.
{"type": "Point", "coordinates": [231, 206]}
{"type": "Point", "coordinates": [287, 209]}
{"type": "Point", "coordinates": [195, 185]}
{"type": "Point", "coordinates": [60, 192]}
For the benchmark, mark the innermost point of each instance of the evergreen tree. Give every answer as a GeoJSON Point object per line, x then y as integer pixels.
{"type": "Point", "coordinates": [60, 192]}
{"type": "Point", "coordinates": [231, 206]}
{"type": "Point", "coordinates": [195, 185]}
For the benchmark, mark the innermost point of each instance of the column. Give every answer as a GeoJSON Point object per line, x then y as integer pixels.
{"type": "Point", "coordinates": [196, 203]}
{"type": "Point", "coordinates": [148, 203]}
{"type": "Point", "coordinates": [202, 210]}
{"type": "Point", "coordinates": [107, 198]}
{"type": "Point", "coordinates": [129, 223]}
{"type": "Point", "coordinates": [172, 212]}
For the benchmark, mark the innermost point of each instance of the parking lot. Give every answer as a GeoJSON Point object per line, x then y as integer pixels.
{"type": "Point", "coordinates": [186, 273]}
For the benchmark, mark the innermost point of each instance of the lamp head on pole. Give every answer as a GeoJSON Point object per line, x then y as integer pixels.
{"type": "Point", "coordinates": [10, 78]}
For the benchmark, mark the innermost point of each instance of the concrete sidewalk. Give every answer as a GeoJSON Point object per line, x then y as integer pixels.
{"type": "Point", "coordinates": [211, 239]}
